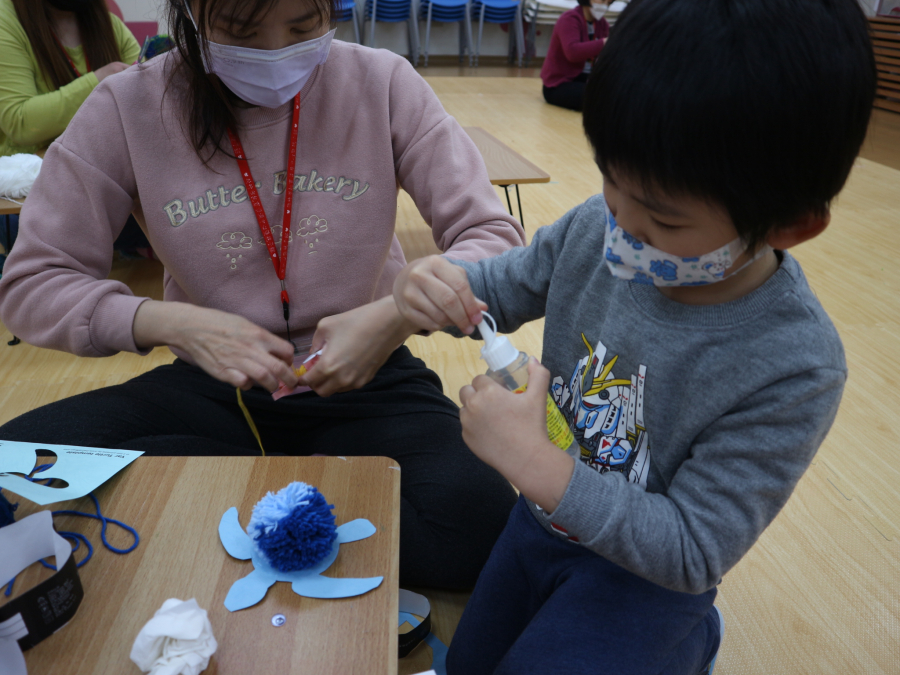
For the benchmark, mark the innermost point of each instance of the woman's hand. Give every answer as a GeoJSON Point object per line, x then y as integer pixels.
{"type": "Point", "coordinates": [109, 69]}
{"type": "Point", "coordinates": [227, 346]}
{"type": "Point", "coordinates": [433, 293]}
{"type": "Point", "coordinates": [356, 344]}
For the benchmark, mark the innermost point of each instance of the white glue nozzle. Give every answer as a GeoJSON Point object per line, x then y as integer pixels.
{"type": "Point", "coordinates": [498, 351]}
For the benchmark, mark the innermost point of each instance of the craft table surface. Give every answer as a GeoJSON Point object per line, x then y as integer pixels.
{"type": "Point", "coordinates": [504, 165]}
{"type": "Point", "coordinates": [8, 207]}
{"type": "Point", "coordinates": [175, 504]}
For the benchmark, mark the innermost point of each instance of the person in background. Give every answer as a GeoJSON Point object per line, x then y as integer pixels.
{"type": "Point", "coordinates": [577, 39]}
{"type": "Point", "coordinates": [53, 53]}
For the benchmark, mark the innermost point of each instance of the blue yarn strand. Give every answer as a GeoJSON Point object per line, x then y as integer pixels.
{"type": "Point", "coordinates": [77, 537]}
{"type": "Point", "coordinates": [105, 521]}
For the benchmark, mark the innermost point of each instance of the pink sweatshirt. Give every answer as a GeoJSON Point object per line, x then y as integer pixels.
{"type": "Point", "coordinates": [570, 48]}
{"type": "Point", "coordinates": [369, 125]}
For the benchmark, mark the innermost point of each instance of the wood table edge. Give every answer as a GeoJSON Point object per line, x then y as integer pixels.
{"type": "Point", "coordinates": [544, 176]}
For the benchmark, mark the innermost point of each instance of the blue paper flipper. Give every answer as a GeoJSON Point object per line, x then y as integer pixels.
{"type": "Point", "coordinates": [233, 538]}
{"type": "Point", "coordinates": [354, 531]}
{"type": "Point", "coordinates": [248, 591]}
{"type": "Point", "coordinates": [326, 587]}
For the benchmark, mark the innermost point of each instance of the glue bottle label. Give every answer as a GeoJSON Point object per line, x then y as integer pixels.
{"type": "Point", "coordinates": [557, 429]}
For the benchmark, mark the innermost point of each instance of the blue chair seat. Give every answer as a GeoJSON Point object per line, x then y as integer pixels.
{"type": "Point", "coordinates": [502, 12]}
{"type": "Point", "coordinates": [444, 15]}
{"type": "Point", "coordinates": [393, 11]}
{"type": "Point", "coordinates": [448, 11]}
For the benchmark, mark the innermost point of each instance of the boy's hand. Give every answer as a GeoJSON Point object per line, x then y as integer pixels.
{"type": "Point", "coordinates": [509, 432]}
{"type": "Point", "coordinates": [433, 293]}
{"type": "Point", "coordinates": [357, 343]}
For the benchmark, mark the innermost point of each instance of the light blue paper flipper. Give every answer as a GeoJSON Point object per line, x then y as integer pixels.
{"type": "Point", "coordinates": [233, 538]}
{"type": "Point", "coordinates": [248, 591]}
{"type": "Point", "coordinates": [354, 531]}
{"type": "Point", "coordinates": [317, 586]}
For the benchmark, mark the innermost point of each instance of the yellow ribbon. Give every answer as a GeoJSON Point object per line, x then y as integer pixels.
{"type": "Point", "coordinates": [250, 420]}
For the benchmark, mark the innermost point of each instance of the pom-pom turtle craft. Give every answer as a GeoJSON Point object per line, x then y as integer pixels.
{"type": "Point", "coordinates": [291, 537]}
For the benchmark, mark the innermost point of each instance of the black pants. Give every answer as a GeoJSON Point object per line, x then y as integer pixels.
{"type": "Point", "coordinates": [453, 506]}
{"type": "Point", "coordinates": [131, 238]}
{"type": "Point", "coordinates": [568, 94]}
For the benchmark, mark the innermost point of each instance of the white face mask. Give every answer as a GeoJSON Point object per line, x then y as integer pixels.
{"type": "Point", "coordinates": [597, 11]}
{"type": "Point", "coordinates": [268, 78]}
{"type": "Point", "coordinates": [633, 260]}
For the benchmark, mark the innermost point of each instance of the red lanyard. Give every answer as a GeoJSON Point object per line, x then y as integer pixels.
{"type": "Point", "coordinates": [279, 262]}
{"type": "Point", "coordinates": [69, 58]}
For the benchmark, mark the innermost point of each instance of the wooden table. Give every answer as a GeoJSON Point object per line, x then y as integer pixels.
{"type": "Point", "coordinates": [175, 504]}
{"type": "Point", "coordinates": [9, 207]}
{"type": "Point", "coordinates": [505, 166]}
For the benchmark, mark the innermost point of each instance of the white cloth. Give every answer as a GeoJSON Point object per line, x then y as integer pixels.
{"type": "Point", "coordinates": [178, 640]}
{"type": "Point", "coordinates": [17, 174]}
{"type": "Point", "coordinates": [24, 543]}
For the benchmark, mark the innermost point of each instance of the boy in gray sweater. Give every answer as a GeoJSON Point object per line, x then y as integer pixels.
{"type": "Point", "coordinates": [695, 367]}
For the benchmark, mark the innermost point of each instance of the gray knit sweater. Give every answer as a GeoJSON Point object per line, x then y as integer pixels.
{"type": "Point", "coordinates": [693, 423]}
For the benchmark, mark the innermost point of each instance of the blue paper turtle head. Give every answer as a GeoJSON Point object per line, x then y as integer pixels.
{"type": "Point", "coordinates": [293, 528]}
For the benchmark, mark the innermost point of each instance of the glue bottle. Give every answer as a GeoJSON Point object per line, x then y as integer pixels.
{"type": "Point", "coordinates": [509, 368]}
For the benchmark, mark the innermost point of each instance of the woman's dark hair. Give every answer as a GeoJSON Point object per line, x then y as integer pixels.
{"type": "Point", "coordinates": [760, 106]}
{"type": "Point", "coordinates": [97, 38]}
{"type": "Point", "coordinates": [209, 107]}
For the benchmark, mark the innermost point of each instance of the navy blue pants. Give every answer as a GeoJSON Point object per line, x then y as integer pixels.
{"type": "Point", "coordinates": [543, 605]}
{"type": "Point", "coordinates": [130, 239]}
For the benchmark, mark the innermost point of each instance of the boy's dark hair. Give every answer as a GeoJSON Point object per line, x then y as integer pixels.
{"type": "Point", "coordinates": [758, 105]}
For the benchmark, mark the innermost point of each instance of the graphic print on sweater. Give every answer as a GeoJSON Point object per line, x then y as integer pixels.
{"type": "Point", "coordinates": [606, 414]}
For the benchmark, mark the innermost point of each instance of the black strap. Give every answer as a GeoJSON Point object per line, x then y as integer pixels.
{"type": "Point", "coordinates": [48, 606]}
{"type": "Point", "coordinates": [409, 641]}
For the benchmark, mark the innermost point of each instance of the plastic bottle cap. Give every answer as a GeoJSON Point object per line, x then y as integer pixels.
{"type": "Point", "coordinates": [498, 351]}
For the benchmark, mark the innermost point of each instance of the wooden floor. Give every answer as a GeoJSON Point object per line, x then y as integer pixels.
{"type": "Point", "coordinates": [819, 593]}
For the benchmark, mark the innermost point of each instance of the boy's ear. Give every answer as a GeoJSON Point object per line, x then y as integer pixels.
{"type": "Point", "coordinates": [801, 230]}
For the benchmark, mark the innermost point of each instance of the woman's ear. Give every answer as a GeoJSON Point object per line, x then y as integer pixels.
{"type": "Point", "coordinates": [801, 230]}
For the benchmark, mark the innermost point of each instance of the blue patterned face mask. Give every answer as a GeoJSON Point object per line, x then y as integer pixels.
{"type": "Point", "coordinates": [633, 260]}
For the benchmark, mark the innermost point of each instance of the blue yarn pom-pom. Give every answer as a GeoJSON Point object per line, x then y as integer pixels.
{"type": "Point", "coordinates": [293, 528]}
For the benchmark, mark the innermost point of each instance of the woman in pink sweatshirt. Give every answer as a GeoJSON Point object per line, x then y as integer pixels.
{"type": "Point", "coordinates": [577, 39]}
{"type": "Point", "coordinates": [205, 145]}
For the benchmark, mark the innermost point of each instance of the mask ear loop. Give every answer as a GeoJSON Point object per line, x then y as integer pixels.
{"type": "Point", "coordinates": [187, 8]}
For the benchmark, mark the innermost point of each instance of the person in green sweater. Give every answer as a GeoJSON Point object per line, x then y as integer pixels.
{"type": "Point", "coordinates": [52, 55]}
{"type": "Point", "coordinates": [46, 65]}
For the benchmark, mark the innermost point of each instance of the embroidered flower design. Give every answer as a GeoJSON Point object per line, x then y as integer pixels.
{"type": "Point", "coordinates": [231, 240]}
{"type": "Point", "coordinates": [309, 229]}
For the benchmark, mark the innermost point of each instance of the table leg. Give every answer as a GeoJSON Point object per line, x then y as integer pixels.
{"type": "Point", "coordinates": [519, 200]}
{"type": "Point", "coordinates": [508, 202]}
{"type": "Point", "coordinates": [15, 340]}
